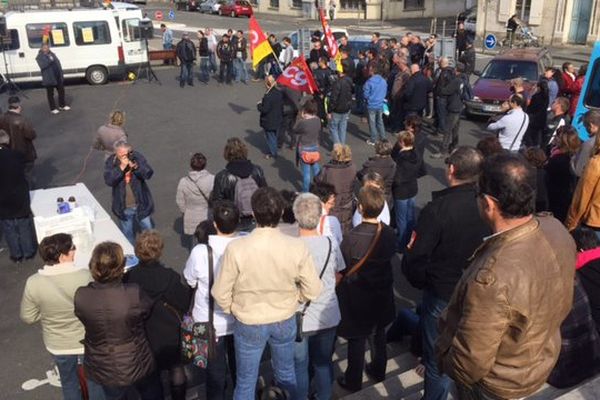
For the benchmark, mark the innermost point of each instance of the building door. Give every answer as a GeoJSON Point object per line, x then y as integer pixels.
{"type": "Point", "coordinates": [580, 21]}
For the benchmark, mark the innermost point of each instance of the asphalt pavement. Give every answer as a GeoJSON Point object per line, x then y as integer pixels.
{"type": "Point", "coordinates": [167, 124]}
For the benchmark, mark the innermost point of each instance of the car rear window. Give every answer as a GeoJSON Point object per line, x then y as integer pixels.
{"type": "Point", "coordinates": [509, 69]}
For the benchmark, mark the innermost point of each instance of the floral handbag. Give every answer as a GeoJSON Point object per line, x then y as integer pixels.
{"type": "Point", "coordinates": [198, 339]}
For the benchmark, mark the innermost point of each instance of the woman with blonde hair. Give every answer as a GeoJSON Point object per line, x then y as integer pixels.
{"type": "Point", "coordinates": [341, 172]}
{"type": "Point", "coordinates": [110, 133]}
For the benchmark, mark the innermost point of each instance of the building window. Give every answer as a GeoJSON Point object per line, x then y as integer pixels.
{"type": "Point", "coordinates": [352, 4]}
{"type": "Point", "coordinates": [91, 32]}
{"type": "Point", "coordinates": [414, 4]}
{"type": "Point", "coordinates": [523, 9]}
{"type": "Point", "coordinates": [55, 32]}
{"type": "Point", "coordinates": [274, 3]}
{"type": "Point", "coordinates": [296, 3]}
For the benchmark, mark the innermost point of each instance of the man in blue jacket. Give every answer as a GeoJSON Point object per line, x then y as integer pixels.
{"type": "Point", "coordinates": [374, 91]}
{"type": "Point", "coordinates": [126, 172]}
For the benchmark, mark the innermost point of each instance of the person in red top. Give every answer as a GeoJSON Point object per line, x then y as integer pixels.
{"type": "Point", "coordinates": [568, 75]}
{"type": "Point", "coordinates": [574, 89]}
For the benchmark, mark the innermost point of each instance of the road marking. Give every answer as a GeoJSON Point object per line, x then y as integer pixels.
{"type": "Point", "coordinates": [52, 378]}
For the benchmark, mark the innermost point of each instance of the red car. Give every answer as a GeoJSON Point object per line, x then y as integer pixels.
{"type": "Point", "coordinates": [236, 8]}
{"type": "Point", "coordinates": [492, 88]}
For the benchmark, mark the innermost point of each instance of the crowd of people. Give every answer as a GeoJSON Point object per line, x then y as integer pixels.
{"type": "Point", "coordinates": [507, 256]}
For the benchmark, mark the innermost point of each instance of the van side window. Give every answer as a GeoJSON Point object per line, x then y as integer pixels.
{"type": "Point", "coordinates": [56, 32]}
{"type": "Point", "coordinates": [91, 32]}
{"type": "Point", "coordinates": [11, 41]}
{"type": "Point", "coordinates": [592, 94]}
{"type": "Point", "coordinates": [131, 30]}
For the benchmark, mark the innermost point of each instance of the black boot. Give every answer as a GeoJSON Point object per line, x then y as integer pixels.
{"type": "Point", "coordinates": [178, 392]}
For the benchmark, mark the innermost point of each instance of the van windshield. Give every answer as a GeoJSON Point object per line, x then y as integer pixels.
{"type": "Point", "coordinates": [508, 69]}
{"type": "Point", "coordinates": [592, 95]}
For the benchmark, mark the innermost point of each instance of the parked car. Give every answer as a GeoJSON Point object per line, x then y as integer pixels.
{"type": "Point", "coordinates": [492, 87]}
{"type": "Point", "coordinates": [211, 6]}
{"type": "Point", "coordinates": [193, 5]}
{"type": "Point", "coordinates": [236, 8]}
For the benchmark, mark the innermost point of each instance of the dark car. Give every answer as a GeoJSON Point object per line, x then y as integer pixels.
{"type": "Point", "coordinates": [193, 5]}
{"type": "Point", "coordinates": [492, 88]}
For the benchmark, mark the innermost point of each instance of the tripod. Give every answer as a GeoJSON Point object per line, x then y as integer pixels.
{"type": "Point", "coordinates": [7, 82]}
{"type": "Point", "coordinates": [150, 75]}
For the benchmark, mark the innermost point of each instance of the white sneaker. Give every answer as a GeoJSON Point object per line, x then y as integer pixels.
{"type": "Point", "coordinates": [65, 108]}
{"type": "Point", "coordinates": [55, 111]}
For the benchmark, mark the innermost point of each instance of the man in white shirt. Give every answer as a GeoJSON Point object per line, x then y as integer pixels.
{"type": "Point", "coordinates": [226, 218]}
{"type": "Point", "coordinates": [512, 126]}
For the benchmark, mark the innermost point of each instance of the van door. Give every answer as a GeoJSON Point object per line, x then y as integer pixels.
{"type": "Point", "coordinates": [13, 54]}
{"type": "Point", "coordinates": [134, 47]}
{"type": "Point", "coordinates": [590, 93]}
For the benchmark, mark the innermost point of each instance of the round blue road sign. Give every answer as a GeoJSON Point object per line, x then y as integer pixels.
{"type": "Point", "coordinates": [490, 41]}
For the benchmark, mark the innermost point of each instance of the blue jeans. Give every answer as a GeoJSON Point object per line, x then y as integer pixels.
{"type": "Point", "coordinates": [204, 69]}
{"type": "Point", "coordinates": [167, 46]}
{"type": "Point", "coordinates": [127, 225]}
{"type": "Point", "coordinates": [338, 126]}
{"type": "Point", "coordinates": [250, 342]}
{"type": "Point", "coordinates": [271, 137]}
{"type": "Point", "coordinates": [316, 351]}
{"type": "Point", "coordinates": [149, 388]}
{"type": "Point", "coordinates": [212, 59]}
{"type": "Point", "coordinates": [437, 385]}
{"type": "Point", "coordinates": [405, 220]}
{"type": "Point", "coordinates": [240, 70]}
{"type": "Point", "coordinates": [69, 380]}
{"type": "Point", "coordinates": [441, 113]}
{"type": "Point", "coordinates": [186, 74]}
{"type": "Point", "coordinates": [376, 127]}
{"type": "Point", "coordinates": [306, 174]}
{"type": "Point", "coordinates": [20, 237]}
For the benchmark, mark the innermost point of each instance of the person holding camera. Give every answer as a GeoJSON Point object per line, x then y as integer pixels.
{"type": "Point", "coordinates": [127, 171]}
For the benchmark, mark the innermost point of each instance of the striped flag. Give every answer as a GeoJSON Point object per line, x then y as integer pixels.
{"type": "Point", "coordinates": [332, 46]}
{"type": "Point", "coordinates": [259, 44]}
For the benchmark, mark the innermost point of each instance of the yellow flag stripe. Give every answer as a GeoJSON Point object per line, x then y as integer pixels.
{"type": "Point", "coordinates": [338, 62]}
{"type": "Point", "coordinates": [261, 51]}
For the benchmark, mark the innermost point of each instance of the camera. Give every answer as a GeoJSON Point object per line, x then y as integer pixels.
{"type": "Point", "coordinates": [131, 157]}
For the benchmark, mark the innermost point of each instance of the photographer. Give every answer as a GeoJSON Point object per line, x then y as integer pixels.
{"type": "Point", "coordinates": [512, 125]}
{"type": "Point", "coordinates": [126, 171]}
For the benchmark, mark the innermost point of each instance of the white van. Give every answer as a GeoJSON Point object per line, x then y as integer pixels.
{"type": "Point", "coordinates": [91, 43]}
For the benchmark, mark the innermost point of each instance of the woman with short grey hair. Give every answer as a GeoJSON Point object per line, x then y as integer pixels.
{"type": "Point", "coordinates": [321, 316]}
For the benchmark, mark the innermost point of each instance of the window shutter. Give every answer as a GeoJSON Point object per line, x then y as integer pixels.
{"type": "Point", "coordinates": [535, 12]}
{"type": "Point", "coordinates": [504, 10]}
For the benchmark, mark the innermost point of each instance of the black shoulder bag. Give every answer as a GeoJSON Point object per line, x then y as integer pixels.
{"type": "Point", "coordinates": [300, 314]}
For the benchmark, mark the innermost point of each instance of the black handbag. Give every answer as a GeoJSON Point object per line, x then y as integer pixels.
{"type": "Point", "coordinates": [300, 314]}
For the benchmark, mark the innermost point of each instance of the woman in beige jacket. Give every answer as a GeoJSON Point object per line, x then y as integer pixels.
{"type": "Point", "coordinates": [48, 297]}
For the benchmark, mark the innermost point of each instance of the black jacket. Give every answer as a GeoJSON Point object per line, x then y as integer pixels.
{"type": "Point", "coordinates": [560, 184]}
{"type": "Point", "coordinates": [225, 180]}
{"type": "Point", "coordinates": [461, 36]}
{"type": "Point", "coordinates": [21, 134]}
{"type": "Point", "coordinates": [408, 166]}
{"type": "Point", "coordinates": [415, 92]}
{"type": "Point", "coordinates": [52, 72]}
{"type": "Point", "coordinates": [315, 54]}
{"type": "Point", "coordinates": [444, 76]}
{"type": "Point", "coordinates": [589, 277]}
{"type": "Point", "coordinates": [291, 101]}
{"type": "Point", "coordinates": [171, 300]}
{"type": "Point", "coordinates": [225, 51]}
{"type": "Point", "coordinates": [115, 178]}
{"type": "Point", "coordinates": [452, 90]}
{"type": "Point", "coordinates": [366, 299]}
{"type": "Point", "coordinates": [468, 58]}
{"type": "Point", "coordinates": [117, 352]}
{"type": "Point", "coordinates": [186, 51]}
{"type": "Point", "coordinates": [203, 47]}
{"type": "Point", "coordinates": [384, 166]}
{"type": "Point", "coordinates": [340, 99]}
{"type": "Point", "coordinates": [323, 79]}
{"type": "Point", "coordinates": [271, 110]}
{"type": "Point", "coordinates": [448, 231]}
{"type": "Point", "coordinates": [14, 190]}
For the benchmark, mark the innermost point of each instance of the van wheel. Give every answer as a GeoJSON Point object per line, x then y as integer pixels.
{"type": "Point", "coordinates": [96, 75]}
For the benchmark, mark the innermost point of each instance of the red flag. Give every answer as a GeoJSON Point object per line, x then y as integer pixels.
{"type": "Point", "coordinates": [298, 77]}
{"type": "Point", "coordinates": [259, 45]}
{"type": "Point", "coordinates": [332, 46]}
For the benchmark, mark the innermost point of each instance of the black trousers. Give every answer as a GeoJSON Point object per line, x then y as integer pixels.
{"type": "Point", "coordinates": [223, 65]}
{"type": "Point", "coordinates": [60, 88]}
{"type": "Point", "coordinates": [216, 373]}
{"type": "Point", "coordinates": [356, 358]}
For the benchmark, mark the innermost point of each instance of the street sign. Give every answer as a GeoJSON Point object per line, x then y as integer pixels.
{"type": "Point", "coordinates": [158, 16]}
{"type": "Point", "coordinates": [490, 41]}
{"type": "Point", "coordinates": [171, 14]}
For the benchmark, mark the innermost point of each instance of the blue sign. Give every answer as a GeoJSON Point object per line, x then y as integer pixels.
{"type": "Point", "coordinates": [171, 14]}
{"type": "Point", "coordinates": [490, 41]}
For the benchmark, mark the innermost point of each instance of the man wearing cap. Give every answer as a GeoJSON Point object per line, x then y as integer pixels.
{"type": "Point", "coordinates": [21, 134]}
{"type": "Point", "coordinates": [186, 52]}
{"type": "Point", "coordinates": [448, 231]}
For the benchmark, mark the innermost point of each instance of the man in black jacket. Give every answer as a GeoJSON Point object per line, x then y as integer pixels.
{"type": "Point", "coordinates": [291, 106]}
{"type": "Point", "coordinates": [416, 90]}
{"type": "Point", "coordinates": [448, 231]}
{"type": "Point", "coordinates": [186, 52]}
{"type": "Point", "coordinates": [225, 52]}
{"type": "Point", "coordinates": [340, 103]}
{"type": "Point", "coordinates": [468, 58]}
{"type": "Point", "coordinates": [15, 213]}
{"type": "Point", "coordinates": [451, 92]}
{"type": "Point", "coordinates": [271, 114]}
{"type": "Point", "coordinates": [444, 75]}
{"type": "Point", "coordinates": [241, 55]}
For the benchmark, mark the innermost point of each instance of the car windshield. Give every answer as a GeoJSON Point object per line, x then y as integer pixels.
{"type": "Point", "coordinates": [508, 69]}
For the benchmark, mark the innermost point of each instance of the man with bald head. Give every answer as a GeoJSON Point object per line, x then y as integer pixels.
{"type": "Point", "coordinates": [415, 92]}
